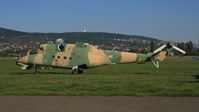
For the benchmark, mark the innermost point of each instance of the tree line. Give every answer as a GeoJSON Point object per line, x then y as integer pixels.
{"type": "Point", "coordinates": [189, 48]}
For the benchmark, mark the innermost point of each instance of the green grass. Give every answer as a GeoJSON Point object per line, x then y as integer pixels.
{"type": "Point", "coordinates": [118, 80]}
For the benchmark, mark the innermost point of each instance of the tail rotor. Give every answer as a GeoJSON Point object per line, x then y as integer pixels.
{"type": "Point", "coordinates": [161, 53]}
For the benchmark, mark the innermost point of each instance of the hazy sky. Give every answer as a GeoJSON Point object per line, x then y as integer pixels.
{"type": "Point", "coordinates": [161, 19]}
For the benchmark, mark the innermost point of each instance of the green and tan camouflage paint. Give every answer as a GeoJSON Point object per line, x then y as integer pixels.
{"type": "Point", "coordinates": [82, 54]}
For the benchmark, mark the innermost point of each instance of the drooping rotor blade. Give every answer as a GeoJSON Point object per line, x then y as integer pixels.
{"type": "Point", "coordinates": [160, 49]}
{"type": "Point", "coordinates": [178, 49]}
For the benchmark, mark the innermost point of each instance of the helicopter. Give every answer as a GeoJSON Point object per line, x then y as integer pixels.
{"type": "Point", "coordinates": [82, 56]}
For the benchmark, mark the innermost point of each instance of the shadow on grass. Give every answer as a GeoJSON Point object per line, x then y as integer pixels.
{"type": "Point", "coordinates": [22, 73]}
{"type": "Point", "coordinates": [145, 73]}
{"type": "Point", "coordinates": [61, 73]}
{"type": "Point", "coordinates": [193, 81]}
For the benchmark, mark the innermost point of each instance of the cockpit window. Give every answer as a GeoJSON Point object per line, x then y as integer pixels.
{"type": "Point", "coordinates": [79, 45]}
{"type": "Point", "coordinates": [65, 57]}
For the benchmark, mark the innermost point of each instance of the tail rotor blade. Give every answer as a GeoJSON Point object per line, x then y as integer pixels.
{"type": "Point", "coordinates": [178, 49]}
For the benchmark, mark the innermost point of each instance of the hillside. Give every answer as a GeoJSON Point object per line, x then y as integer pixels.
{"type": "Point", "coordinates": [12, 41]}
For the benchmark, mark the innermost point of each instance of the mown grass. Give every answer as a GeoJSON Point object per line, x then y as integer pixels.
{"type": "Point", "coordinates": [118, 80]}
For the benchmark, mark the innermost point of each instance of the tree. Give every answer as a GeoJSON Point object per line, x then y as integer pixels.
{"type": "Point", "coordinates": [152, 46]}
{"type": "Point", "coordinates": [189, 47]}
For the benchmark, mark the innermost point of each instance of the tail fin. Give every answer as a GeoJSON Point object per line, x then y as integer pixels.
{"type": "Point", "coordinates": [161, 53]}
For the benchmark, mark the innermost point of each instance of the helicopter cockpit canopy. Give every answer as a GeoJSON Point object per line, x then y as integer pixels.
{"type": "Point", "coordinates": [60, 48]}
{"type": "Point", "coordinates": [81, 45]}
{"type": "Point", "coordinates": [60, 45]}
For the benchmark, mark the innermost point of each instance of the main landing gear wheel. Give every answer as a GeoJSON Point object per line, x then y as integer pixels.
{"type": "Point", "coordinates": [36, 70]}
{"type": "Point", "coordinates": [77, 71]}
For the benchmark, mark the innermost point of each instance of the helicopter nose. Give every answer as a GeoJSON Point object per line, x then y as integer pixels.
{"type": "Point", "coordinates": [22, 59]}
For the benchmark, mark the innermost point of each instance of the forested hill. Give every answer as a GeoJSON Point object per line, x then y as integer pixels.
{"type": "Point", "coordinates": [18, 41]}
{"type": "Point", "coordinates": [8, 32]}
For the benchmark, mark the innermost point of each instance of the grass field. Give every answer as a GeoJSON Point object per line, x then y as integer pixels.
{"type": "Point", "coordinates": [112, 80]}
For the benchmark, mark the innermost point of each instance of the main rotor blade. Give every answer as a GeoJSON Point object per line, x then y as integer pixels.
{"type": "Point", "coordinates": [178, 49]}
{"type": "Point", "coordinates": [160, 49]}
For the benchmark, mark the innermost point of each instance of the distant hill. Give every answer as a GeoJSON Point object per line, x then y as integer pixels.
{"type": "Point", "coordinates": [9, 32]}
{"type": "Point", "coordinates": [19, 40]}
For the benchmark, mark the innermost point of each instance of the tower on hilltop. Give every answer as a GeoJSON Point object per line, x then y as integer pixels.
{"type": "Point", "coordinates": [84, 29]}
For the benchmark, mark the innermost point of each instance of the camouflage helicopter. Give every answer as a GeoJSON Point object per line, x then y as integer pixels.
{"type": "Point", "coordinates": [81, 56]}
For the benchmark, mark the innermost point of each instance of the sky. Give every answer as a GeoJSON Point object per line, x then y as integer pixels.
{"type": "Point", "coordinates": [162, 19]}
